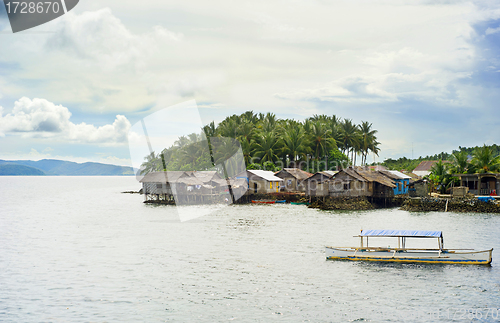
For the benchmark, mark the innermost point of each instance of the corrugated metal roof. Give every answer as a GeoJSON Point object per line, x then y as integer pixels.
{"type": "Point", "coordinates": [295, 172]}
{"type": "Point", "coordinates": [426, 165]}
{"type": "Point", "coordinates": [321, 176]}
{"type": "Point", "coordinates": [375, 176]}
{"type": "Point", "coordinates": [189, 181]}
{"type": "Point", "coordinates": [162, 177]}
{"type": "Point", "coordinates": [401, 233]}
{"type": "Point", "coordinates": [399, 174]}
{"type": "Point", "coordinates": [265, 174]}
{"type": "Point", "coordinates": [351, 172]}
{"type": "Point", "coordinates": [206, 176]}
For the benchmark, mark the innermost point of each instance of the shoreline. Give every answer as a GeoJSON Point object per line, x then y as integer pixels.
{"type": "Point", "coordinates": [361, 203]}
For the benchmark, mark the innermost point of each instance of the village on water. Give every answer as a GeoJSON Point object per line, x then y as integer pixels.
{"type": "Point", "coordinates": [262, 159]}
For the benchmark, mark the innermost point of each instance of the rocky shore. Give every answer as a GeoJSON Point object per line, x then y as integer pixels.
{"type": "Point", "coordinates": [426, 204]}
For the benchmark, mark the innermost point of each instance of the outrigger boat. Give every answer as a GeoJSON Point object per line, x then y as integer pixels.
{"type": "Point", "coordinates": [409, 255]}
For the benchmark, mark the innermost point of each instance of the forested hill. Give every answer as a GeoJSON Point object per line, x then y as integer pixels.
{"type": "Point", "coordinates": [61, 167]}
{"type": "Point", "coordinates": [268, 142]}
{"type": "Point", "coordinates": [409, 164]}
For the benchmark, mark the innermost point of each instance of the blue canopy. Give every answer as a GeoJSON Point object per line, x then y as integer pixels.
{"type": "Point", "coordinates": [401, 233]}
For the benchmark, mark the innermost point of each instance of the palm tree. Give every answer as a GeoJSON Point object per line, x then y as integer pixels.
{"type": "Point", "coordinates": [152, 164]}
{"type": "Point", "coordinates": [266, 146]}
{"type": "Point", "coordinates": [320, 139]}
{"type": "Point", "coordinates": [295, 143]}
{"type": "Point", "coordinates": [483, 160]}
{"type": "Point", "coordinates": [368, 140]}
{"type": "Point", "coordinates": [440, 177]}
{"type": "Point", "coordinates": [349, 137]}
{"type": "Point", "coordinates": [459, 162]}
{"type": "Point", "coordinates": [268, 123]}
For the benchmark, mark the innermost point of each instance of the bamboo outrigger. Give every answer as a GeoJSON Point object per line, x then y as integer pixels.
{"type": "Point", "coordinates": [409, 255]}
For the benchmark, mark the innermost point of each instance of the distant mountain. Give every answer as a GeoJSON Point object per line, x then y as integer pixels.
{"type": "Point", "coordinates": [13, 169]}
{"type": "Point", "coordinates": [61, 167]}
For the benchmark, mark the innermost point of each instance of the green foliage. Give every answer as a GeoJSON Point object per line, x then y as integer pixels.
{"type": "Point", "coordinates": [269, 166]}
{"type": "Point", "coordinates": [483, 160]}
{"type": "Point", "coordinates": [465, 160]}
{"type": "Point", "coordinates": [440, 177]}
{"type": "Point", "coordinates": [254, 166]}
{"type": "Point", "coordinates": [266, 139]}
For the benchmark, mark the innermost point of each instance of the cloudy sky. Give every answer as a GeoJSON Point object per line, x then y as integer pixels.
{"type": "Point", "coordinates": [425, 73]}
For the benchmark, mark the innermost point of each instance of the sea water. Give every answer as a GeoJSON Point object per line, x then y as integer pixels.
{"type": "Point", "coordinates": [75, 249]}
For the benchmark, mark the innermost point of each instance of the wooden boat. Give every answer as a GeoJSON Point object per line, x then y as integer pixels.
{"type": "Point", "coordinates": [408, 255]}
{"type": "Point", "coordinates": [299, 203]}
{"type": "Point", "coordinates": [280, 201]}
{"type": "Point", "coordinates": [264, 201]}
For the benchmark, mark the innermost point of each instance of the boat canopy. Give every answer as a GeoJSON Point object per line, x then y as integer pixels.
{"type": "Point", "coordinates": [401, 233]}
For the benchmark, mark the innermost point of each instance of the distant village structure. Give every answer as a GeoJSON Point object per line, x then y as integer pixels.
{"type": "Point", "coordinates": [424, 168]}
{"type": "Point", "coordinates": [373, 182]}
{"type": "Point", "coordinates": [401, 180]}
{"type": "Point", "coordinates": [190, 187]}
{"type": "Point", "coordinates": [293, 179]}
{"type": "Point", "coordinates": [481, 184]}
{"type": "Point", "coordinates": [317, 185]}
{"type": "Point", "coordinates": [263, 181]}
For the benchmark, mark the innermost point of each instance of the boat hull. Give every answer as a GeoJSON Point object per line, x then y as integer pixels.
{"type": "Point", "coordinates": [410, 256]}
{"type": "Point", "coordinates": [263, 202]}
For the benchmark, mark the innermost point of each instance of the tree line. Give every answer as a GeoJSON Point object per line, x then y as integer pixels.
{"type": "Point", "coordinates": [318, 143]}
{"type": "Point", "coordinates": [485, 159]}
{"type": "Point", "coordinates": [409, 164]}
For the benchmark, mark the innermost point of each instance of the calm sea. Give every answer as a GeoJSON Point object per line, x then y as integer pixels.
{"type": "Point", "coordinates": [74, 249]}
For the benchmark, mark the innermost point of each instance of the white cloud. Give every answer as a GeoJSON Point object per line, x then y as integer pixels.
{"type": "Point", "coordinates": [102, 37]}
{"type": "Point", "coordinates": [491, 31]}
{"type": "Point", "coordinates": [390, 76]}
{"type": "Point", "coordinates": [41, 118]}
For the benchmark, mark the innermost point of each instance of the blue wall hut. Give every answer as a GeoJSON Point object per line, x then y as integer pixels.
{"type": "Point", "coordinates": [401, 180]}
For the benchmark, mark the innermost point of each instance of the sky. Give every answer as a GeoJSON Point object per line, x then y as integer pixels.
{"type": "Point", "coordinates": [426, 74]}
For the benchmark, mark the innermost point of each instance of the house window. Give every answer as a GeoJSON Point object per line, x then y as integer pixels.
{"type": "Point", "coordinates": [270, 185]}
{"type": "Point", "coordinates": [347, 186]}
{"type": "Point", "coordinates": [159, 185]}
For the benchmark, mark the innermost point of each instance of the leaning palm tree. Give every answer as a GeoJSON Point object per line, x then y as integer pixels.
{"type": "Point", "coordinates": [483, 160]}
{"type": "Point", "coordinates": [368, 139]}
{"type": "Point", "coordinates": [349, 137]}
{"type": "Point", "coordinates": [151, 164]}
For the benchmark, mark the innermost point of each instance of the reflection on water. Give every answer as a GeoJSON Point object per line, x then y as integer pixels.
{"type": "Point", "coordinates": [80, 251]}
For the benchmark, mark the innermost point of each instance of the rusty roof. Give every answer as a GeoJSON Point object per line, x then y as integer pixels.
{"type": "Point", "coordinates": [321, 176]}
{"type": "Point", "coordinates": [295, 172]}
{"type": "Point", "coordinates": [426, 165]}
{"type": "Point", "coordinates": [376, 176]}
{"type": "Point", "coordinates": [364, 175]}
{"type": "Point", "coordinates": [163, 177]}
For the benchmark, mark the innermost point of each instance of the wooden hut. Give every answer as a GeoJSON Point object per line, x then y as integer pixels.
{"type": "Point", "coordinates": [357, 181]}
{"type": "Point", "coordinates": [161, 185]}
{"type": "Point", "coordinates": [418, 188]}
{"type": "Point", "coordinates": [292, 179]}
{"type": "Point", "coordinates": [317, 185]}
{"type": "Point", "coordinates": [348, 182]}
{"type": "Point", "coordinates": [401, 180]}
{"type": "Point", "coordinates": [481, 184]}
{"type": "Point", "coordinates": [262, 181]}
{"type": "Point", "coordinates": [188, 187]}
